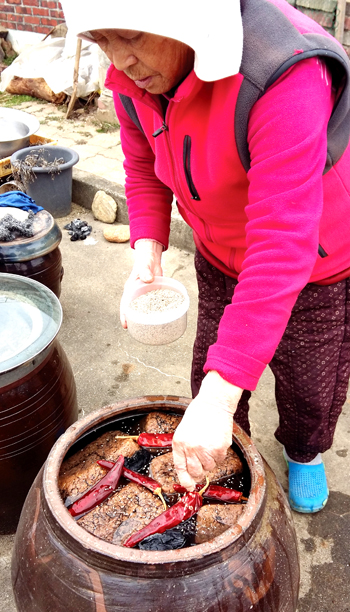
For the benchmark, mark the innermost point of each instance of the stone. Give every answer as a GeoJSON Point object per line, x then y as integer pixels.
{"type": "Point", "coordinates": [81, 471]}
{"type": "Point", "coordinates": [104, 207]}
{"type": "Point", "coordinates": [162, 469]}
{"type": "Point", "coordinates": [125, 512]}
{"type": "Point", "coordinates": [160, 422]}
{"type": "Point", "coordinates": [117, 233]}
{"type": "Point", "coordinates": [214, 519]}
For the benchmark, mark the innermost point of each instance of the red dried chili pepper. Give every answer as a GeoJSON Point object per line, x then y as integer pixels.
{"type": "Point", "coordinates": [140, 479]}
{"type": "Point", "coordinates": [100, 491]}
{"type": "Point", "coordinates": [188, 505]}
{"type": "Point", "coordinates": [215, 492]}
{"type": "Point", "coordinates": [149, 440]}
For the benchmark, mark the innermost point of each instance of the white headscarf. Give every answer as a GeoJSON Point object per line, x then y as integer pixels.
{"type": "Point", "coordinates": [212, 28]}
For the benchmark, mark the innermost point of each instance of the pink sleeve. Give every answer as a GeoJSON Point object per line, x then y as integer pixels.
{"type": "Point", "coordinates": [149, 200]}
{"type": "Point", "coordinates": [288, 144]}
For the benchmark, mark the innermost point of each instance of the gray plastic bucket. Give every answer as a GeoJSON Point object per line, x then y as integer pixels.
{"type": "Point", "coordinates": [52, 191]}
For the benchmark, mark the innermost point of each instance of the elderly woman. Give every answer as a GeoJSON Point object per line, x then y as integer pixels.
{"type": "Point", "coordinates": [253, 140]}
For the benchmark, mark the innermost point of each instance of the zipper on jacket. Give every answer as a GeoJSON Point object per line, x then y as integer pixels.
{"type": "Point", "coordinates": [171, 160]}
{"type": "Point", "coordinates": [322, 252]}
{"type": "Point", "coordinates": [162, 129]}
{"type": "Point", "coordinates": [187, 167]}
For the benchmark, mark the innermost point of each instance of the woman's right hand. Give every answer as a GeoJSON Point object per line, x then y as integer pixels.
{"type": "Point", "coordinates": [148, 256]}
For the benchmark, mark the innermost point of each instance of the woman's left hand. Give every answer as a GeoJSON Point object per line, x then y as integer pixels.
{"type": "Point", "coordinates": [205, 433]}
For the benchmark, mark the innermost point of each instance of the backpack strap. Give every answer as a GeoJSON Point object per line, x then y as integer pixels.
{"type": "Point", "coordinates": [271, 46]}
{"type": "Point", "coordinates": [130, 109]}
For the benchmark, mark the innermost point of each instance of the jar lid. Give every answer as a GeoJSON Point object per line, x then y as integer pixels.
{"type": "Point", "coordinates": [30, 318]}
{"type": "Point", "coordinates": [47, 236]}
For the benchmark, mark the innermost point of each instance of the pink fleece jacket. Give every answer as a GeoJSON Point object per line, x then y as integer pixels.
{"type": "Point", "coordinates": [263, 227]}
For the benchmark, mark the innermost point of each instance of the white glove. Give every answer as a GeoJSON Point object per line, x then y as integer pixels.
{"type": "Point", "coordinates": [205, 433]}
{"type": "Point", "coordinates": [148, 256]}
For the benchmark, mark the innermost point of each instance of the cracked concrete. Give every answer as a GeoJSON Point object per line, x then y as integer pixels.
{"type": "Point", "coordinates": [109, 366]}
{"type": "Point", "coordinates": [157, 369]}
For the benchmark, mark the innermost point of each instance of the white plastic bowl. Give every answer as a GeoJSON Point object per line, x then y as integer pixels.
{"type": "Point", "coordinates": [158, 327]}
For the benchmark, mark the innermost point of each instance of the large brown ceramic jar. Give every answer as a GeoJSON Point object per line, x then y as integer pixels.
{"type": "Point", "coordinates": [38, 257]}
{"type": "Point", "coordinates": [37, 389]}
{"type": "Point", "coordinates": [57, 566]}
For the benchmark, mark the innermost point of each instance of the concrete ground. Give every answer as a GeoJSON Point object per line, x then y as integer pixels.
{"type": "Point", "coordinates": [109, 366]}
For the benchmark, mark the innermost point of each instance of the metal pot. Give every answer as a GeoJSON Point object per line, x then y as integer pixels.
{"type": "Point", "coordinates": [16, 127]}
{"type": "Point", "coordinates": [14, 135]}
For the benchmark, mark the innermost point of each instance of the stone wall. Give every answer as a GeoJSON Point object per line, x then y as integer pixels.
{"type": "Point", "coordinates": [324, 12]}
{"type": "Point", "coordinates": [30, 15]}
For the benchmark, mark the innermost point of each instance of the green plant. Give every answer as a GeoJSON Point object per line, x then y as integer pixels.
{"type": "Point", "coordinates": [8, 60]}
{"type": "Point", "coordinates": [9, 100]}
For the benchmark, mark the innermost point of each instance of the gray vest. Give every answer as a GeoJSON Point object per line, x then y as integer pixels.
{"type": "Point", "coordinates": [270, 41]}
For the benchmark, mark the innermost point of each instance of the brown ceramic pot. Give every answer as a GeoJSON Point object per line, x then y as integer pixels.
{"type": "Point", "coordinates": [38, 257]}
{"type": "Point", "coordinates": [37, 389]}
{"type": "Point", "coordinates": [57, 566]}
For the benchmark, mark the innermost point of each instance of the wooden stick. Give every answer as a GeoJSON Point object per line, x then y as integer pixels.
{"type": "Point", "coordinates": [340, 20]}
{"type": "Point", "coordinates": [75, 78]}
{"type": "Point", "coordinates": [49, 33]}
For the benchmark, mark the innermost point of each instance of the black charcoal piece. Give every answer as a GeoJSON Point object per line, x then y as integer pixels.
{"type": "Point", "coordinates": [171, 539]}
{"type": "Point", "coordinates": [79, 229]}
{"type": "Point", "coordinates": [79, 224]}
{"type": "Point", "coordinates": [187, 530]}
{"type": "Point", "coordinates": [138, 461]}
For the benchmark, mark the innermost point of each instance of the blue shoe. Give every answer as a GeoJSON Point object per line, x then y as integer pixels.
{"type": "Point", "coordinates": [308, 491]}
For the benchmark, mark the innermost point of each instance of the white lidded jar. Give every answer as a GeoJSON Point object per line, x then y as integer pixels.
{"type": "Point", "coordinates": [157, 326]}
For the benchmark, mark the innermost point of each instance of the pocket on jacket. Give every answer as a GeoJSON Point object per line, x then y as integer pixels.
{"type": "Point", "coordinates": [187, 168]}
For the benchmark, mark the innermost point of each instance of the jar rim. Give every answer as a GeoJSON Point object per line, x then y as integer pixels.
{"type": "Point", "coordinates": [31, 317]}
{"type": "Point", "coordinates": [150, 561]}
{"type": "Point", "coordinates": [47, 236]}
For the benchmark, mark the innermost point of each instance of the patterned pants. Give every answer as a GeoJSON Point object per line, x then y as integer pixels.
{"type": "Point", "coordinates": [311, 364]}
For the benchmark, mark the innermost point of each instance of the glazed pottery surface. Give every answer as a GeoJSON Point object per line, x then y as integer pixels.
{"type": "Point", "coordinates": [38, 257]}
{"type": "Point", "coordinates": [37, 389]}
{"type": "Point", "coordinates": [58, 566]}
